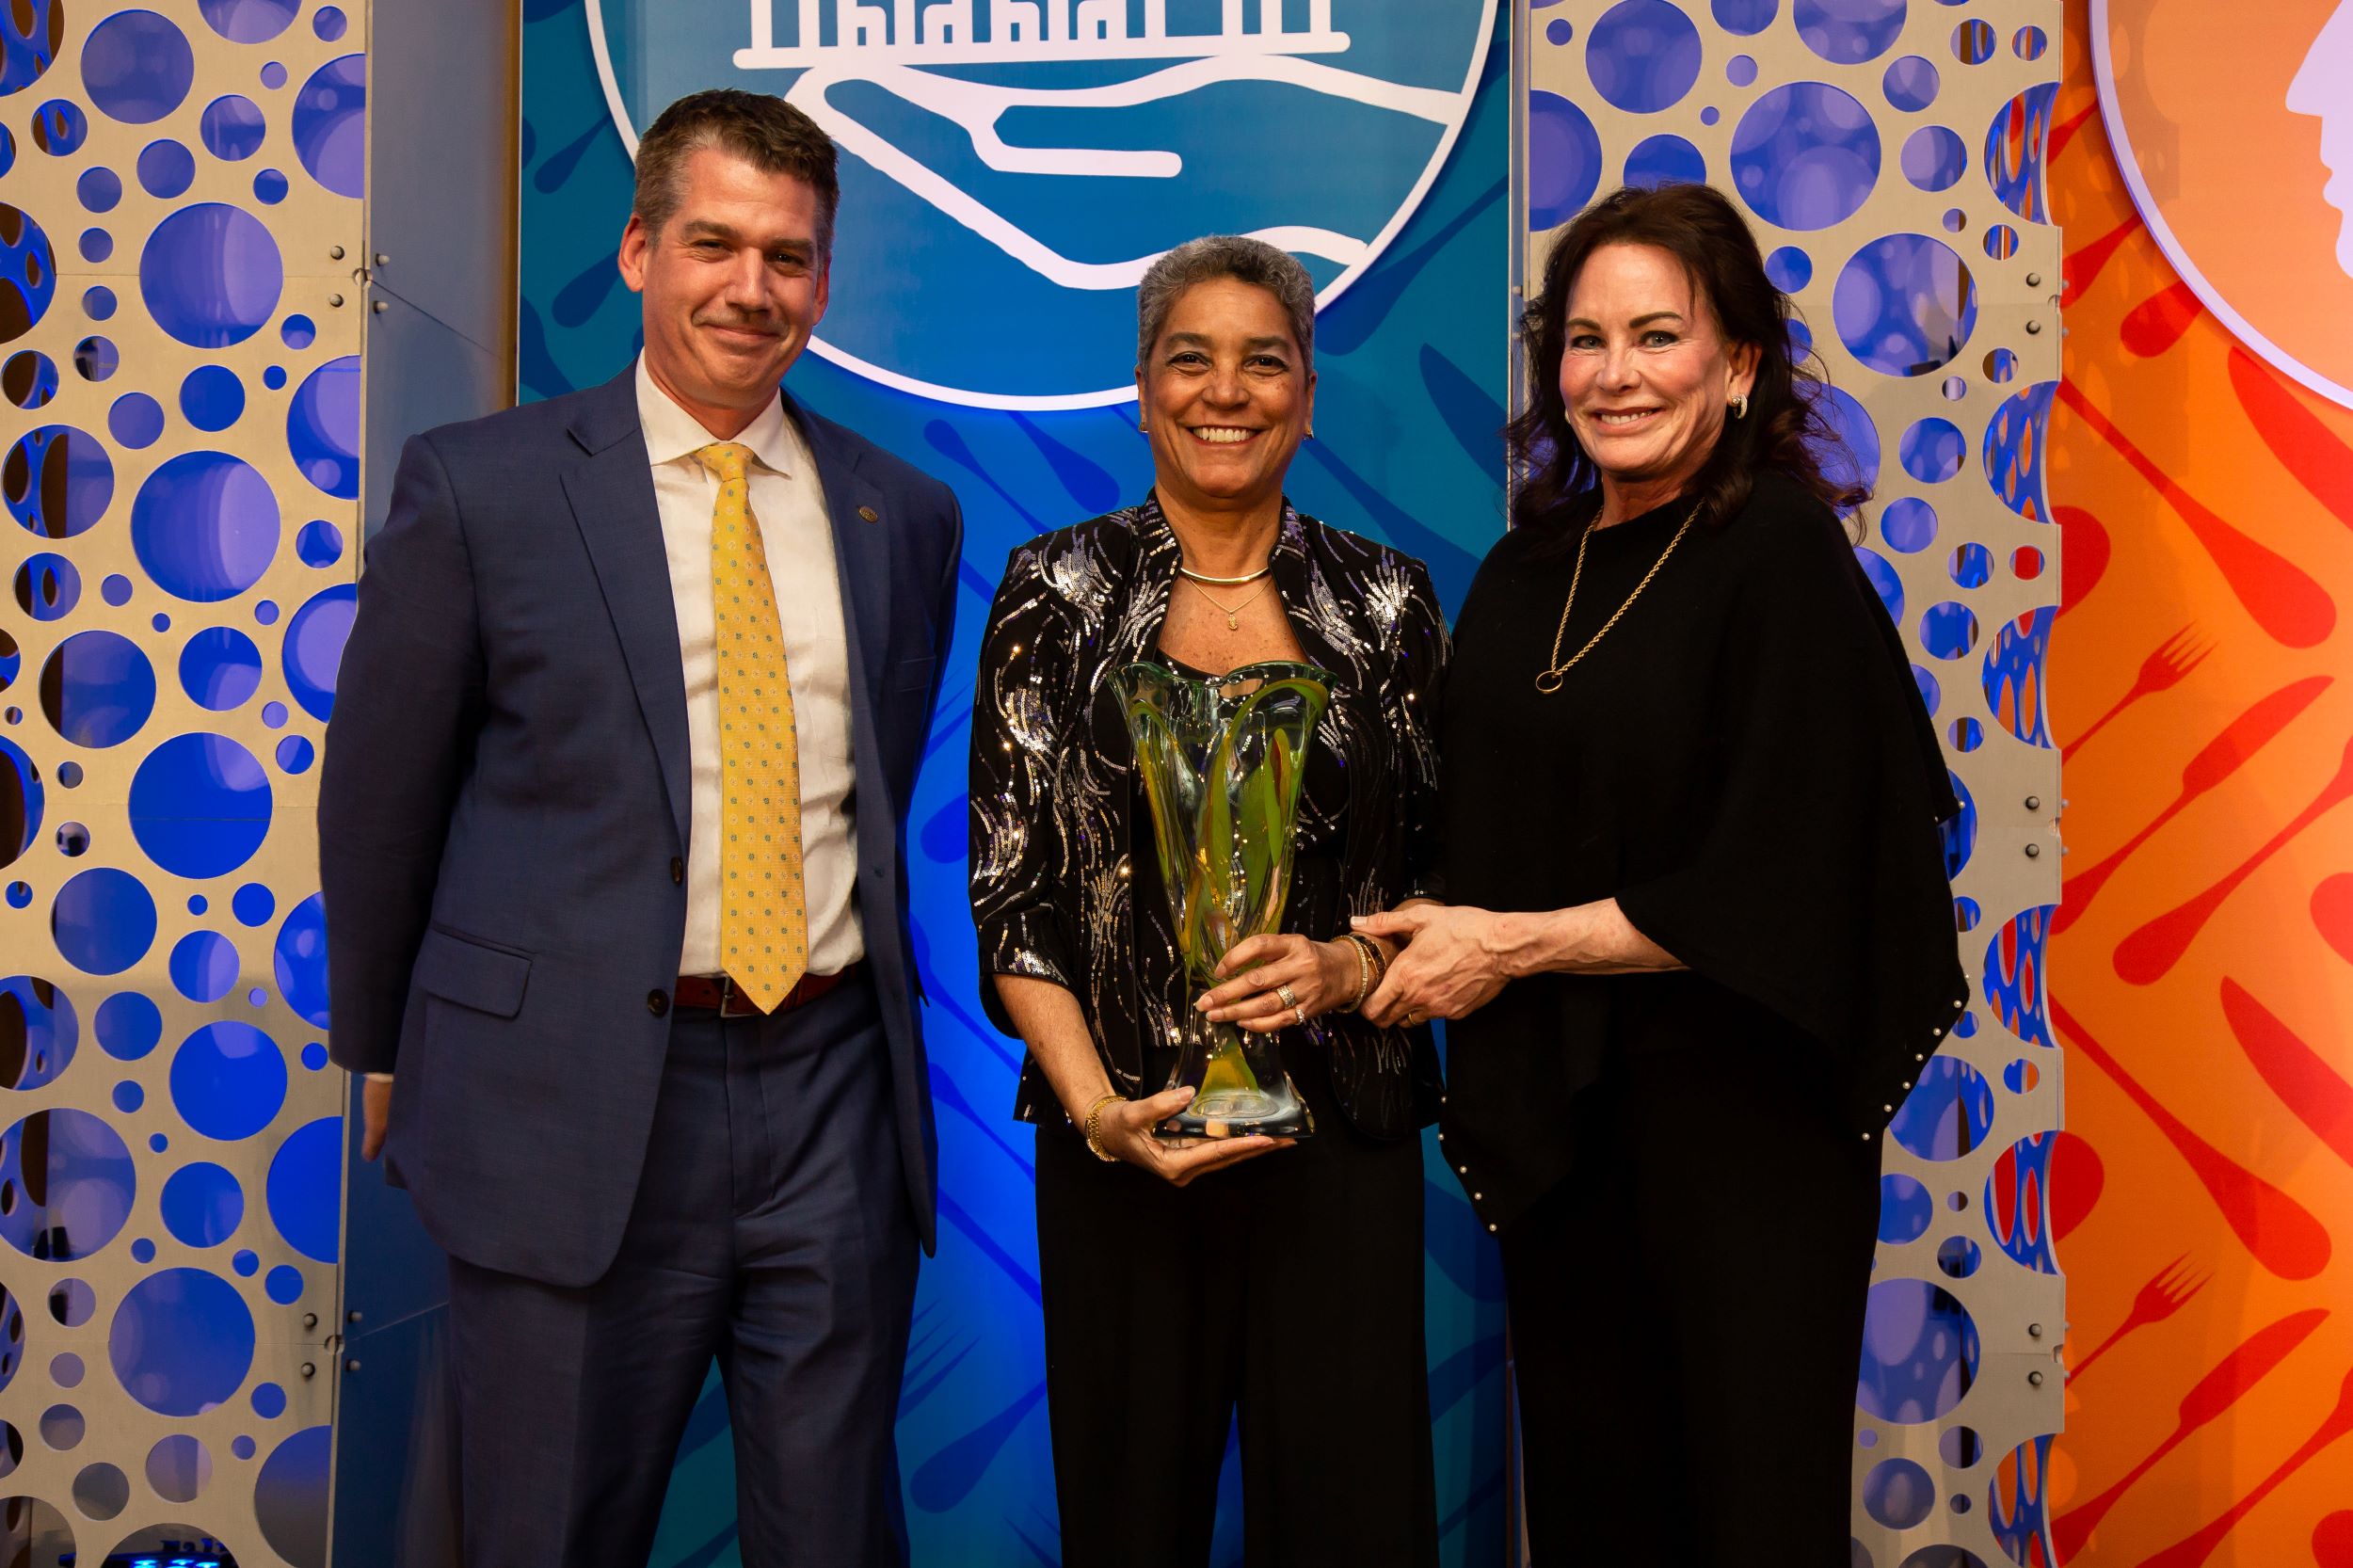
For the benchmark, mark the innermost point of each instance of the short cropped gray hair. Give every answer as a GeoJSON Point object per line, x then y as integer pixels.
{"type": "Point", "coordinates": [1216, 256]}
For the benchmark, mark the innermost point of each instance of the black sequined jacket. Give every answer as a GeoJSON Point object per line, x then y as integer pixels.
{"type": "Point", "coordinates": [1054, 835]}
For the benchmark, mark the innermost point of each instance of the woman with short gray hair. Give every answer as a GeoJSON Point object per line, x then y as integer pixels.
{"type": "Point", "coordinates": [1186, 1282]}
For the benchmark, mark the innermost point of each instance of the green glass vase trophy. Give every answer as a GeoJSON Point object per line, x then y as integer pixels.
{"type": "Point", "coordinates": [1222, 763]}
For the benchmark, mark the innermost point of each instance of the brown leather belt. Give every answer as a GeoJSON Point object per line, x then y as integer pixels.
{"type": "Point", "coordinates": [717, 993]}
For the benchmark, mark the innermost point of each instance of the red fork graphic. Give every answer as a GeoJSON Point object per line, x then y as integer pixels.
{"type": "Point", "coordinates": [2168, 1290]}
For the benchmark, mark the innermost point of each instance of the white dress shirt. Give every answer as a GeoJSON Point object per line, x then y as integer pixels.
{"type": "Point", "coordinates": [789, 506]}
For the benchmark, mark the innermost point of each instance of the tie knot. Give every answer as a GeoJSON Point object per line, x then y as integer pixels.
{"type": "Point", "coordinates": [726, 459]}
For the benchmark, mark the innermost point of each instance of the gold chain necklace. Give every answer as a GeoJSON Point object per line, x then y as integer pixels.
{"type": "Point", "coordinates": [1549, 681]}
{"type": "Point", "coordinates": [1231, 612]}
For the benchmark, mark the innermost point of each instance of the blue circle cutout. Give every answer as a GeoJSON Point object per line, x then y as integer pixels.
{"type": "Point", "coordinates": [1642, 56]}
{"type": "Point", "coordinates": [1889, 586]}
{"type": "Point", "coordinates": [298, 959]}
{"type": "Point", "coordinates": [330, 124]}
{"type": "Point", "coordinates": [1848, 32]}
{"type": "Point", "coordinates": [306, 1196]}
{"type": "Point", "coordinates": [200, 806]}
{"type": "Point", "coordinates": [330, 23]}
{"type": "Point", "coordinates": [212, 397]}
{"type": "Point", "coordinates": [181, 1341]}
{"type": "Point", "coordinates": [28, 274]}
{"type": "Point", "coordinates": [315, 1056]}
{"type": "Point", "coordinates": [115, 589]}
{"type": "Point", "coordinates": [137, 67]}
{"type": "Point", "coordinates": [1934, 158]}
{"type": "Point", "coordinates": [314, 647]}
{"type": "Point", "coordinates": [1790, 268]}
{"type": "Point", "coordinates": [1931, 451]}
{"type": "Point", "coordinates": [254, 904]}
{"type": "Point", "coordinates": [246, 1261]}
{"type": "Point", "coordinates": [294, 755]}
{"type": "Point", "coordinates": [323, 427]}
{"type": "Point", "coordinates": [205, 526]}
{"type": "Point", "coordinates": [1905, 1210]}
{"type": "Point", "coordinates": [47, 586]}
{"type": "Point", "coordinates": [1905, 304]}
{"type": "Point", "coordinates": [233, 127]}
{"type": "Point", "coordinates": [103, 921]}
{"type": "Point", "coordinates": [319, 543]}
{"type": "Point", "coordinates": [1805, 156]}
{"type": "Point", "coordinates": [20, 798]}
{"type": "Point", "coordinates": [127, 1025]}
{"type": "Point", "coordinates": [1744, 18]}
{"type": "Point", "coordinates": [283, 1285]}
{"type": "Point", "coordinates": [203, 966]}
{"type": "Point", "coordinates": [228, 1081]}
{"type": "Point", "coordinates": [220, 668]}
{"type": "Point", "coordinates": [1909, 525]}
{"type": "Point", "coordinates": [211, 275]}
{"type": "Point", "coordinates": [269, 187]}
{"type": "Point", "coordinates": [1664, 160]}
{"type": "Point", "coordinates": [166, 169]}
{"type": "Point", "coordinates": [57, 480]}
{"type": "Point", "coordinates": [95, 244]}
{"type": "Point", "coordinates": [1911, 84]}
{"type": "Point", "coordinates": [1563, 160]}
{"type": "Point", "coordinates": [248, 20]}
{"type": "Point", "coordinates": [136, 420]}
{"type": "Point", "coordinates": [59, 127]}
{"type": "Point", "coordinates": [297, 331]}
{"type": "Point", "coordinates": [96, 359]}
{"type": "Point", "coordinates": [44, 1031]}
{"type": "Point", "coordinates": [29, 378]}
{"type": "Point", "coordinates": [99, 189]}
{"type": "Point", "coordinates": [270, 1400]}
{"type": "Point", "coordinates": [203, 1205]}
{"type": "Point", "coordinates": [91, 1185]}
{"type": "Point", "coordinates": [97, 689]}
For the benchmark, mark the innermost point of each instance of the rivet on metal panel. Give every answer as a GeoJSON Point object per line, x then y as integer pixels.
{"type": "Point", "coordinates": [2033, 326]}
{"type": "Point", "coordinates": [2034, 851]}
{"type": "Point", "coordinates": [381, 258]}
{"type": "Point", "coordinates": [310, 1369]}
{"type": "Point", "coordinates": [336, 300]}
{"type": "Point", "coordinates": [2034, 279]}
{"type": "Point", "coordinates": [2034, 1331]}
{"type": "Point", "coordinates": [379, 307]}
{"type": "Point", "coordinates": [310, 1319]}
{"type": "Point", "coordinates": [355, 1317]}
{"type": "Point", "coordinates": [334, 252]}
{"type": "Point", "coordinates": [2035, 1378]}
{"type": "Point", "coordinates": [352, 1365]}
{"type": "Point", "coordinates": [2034, 802]}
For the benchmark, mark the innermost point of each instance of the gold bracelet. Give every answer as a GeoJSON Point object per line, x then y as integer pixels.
{"type": "Point", "coordinates": [1364, 971]}
{"type": "Point", "coordinates": [1094, 1128]}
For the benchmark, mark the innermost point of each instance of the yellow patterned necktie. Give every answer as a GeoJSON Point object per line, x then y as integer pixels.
{"type": "Point", "coordinates": [763, 914]}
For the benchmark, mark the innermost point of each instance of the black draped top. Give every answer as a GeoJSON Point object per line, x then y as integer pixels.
{"type": "Point", "coordinates": [1745, 763]}
{"type": "Point", "coordinates": [1064, 884]}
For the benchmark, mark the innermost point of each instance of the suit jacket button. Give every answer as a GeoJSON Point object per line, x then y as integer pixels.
{"type": "Point", "coordinates": [678, 871]}
{"type": "Point", "coordinates": [657, 1002]}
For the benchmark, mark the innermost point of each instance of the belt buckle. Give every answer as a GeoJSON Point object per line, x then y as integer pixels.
{"type": "Point", "coordinates": [728, 995]}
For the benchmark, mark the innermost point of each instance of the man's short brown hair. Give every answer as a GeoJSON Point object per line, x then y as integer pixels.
{"type": "Point", "coordinates": [761, 129]}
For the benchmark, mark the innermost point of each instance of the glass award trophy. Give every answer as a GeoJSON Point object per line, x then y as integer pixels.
{"type": "Point", "coordinates": [1222, 763]}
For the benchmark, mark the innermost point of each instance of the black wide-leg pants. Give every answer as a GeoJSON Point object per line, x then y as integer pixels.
{"type": "Point", "coordinates": [1288, 1287]}
{"type": "Point", "coordinates": [1686, 1317]}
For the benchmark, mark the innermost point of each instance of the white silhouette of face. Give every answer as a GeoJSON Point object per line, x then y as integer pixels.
{"type": "Point", "coordinates": [2324, 87]}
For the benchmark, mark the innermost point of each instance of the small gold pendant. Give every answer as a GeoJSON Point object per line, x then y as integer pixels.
{"type": "Point", "coordinates": [1232, 624]}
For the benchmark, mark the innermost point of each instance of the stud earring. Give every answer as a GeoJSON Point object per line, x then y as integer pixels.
{"type": "Point", "coordinates": [1740, 406]}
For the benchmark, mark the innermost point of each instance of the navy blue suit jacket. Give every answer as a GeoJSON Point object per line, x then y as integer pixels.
{"type": "Point", "coordinates": [503, 811]}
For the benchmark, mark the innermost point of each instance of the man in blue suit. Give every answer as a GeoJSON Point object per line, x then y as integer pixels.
{"type": "Point", "coordinates": [612, 834]}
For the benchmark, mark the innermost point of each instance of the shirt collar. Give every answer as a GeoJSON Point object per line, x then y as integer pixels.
{"type": "Point", "coordinates": [672, 433]}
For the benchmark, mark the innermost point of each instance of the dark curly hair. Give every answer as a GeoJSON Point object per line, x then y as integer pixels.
{"type": "Point", "coordinates": [1783, 431]}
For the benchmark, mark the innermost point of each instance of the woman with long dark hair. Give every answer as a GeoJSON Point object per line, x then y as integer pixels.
{"type": "Point", "coordinates": [1699, 935]}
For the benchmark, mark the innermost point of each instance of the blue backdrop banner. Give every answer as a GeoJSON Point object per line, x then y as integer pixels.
{"type": "Point", "coordinates": [1008, 171]}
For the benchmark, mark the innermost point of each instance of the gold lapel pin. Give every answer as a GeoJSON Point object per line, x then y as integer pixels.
{"type": "Point", "coordinates": [870, 514]}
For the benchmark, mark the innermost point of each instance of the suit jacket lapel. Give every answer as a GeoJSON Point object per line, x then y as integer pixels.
{"type": "Point", "coordinates": [612, 502]}
{"type": "Point", "coordinates": [861, 556]}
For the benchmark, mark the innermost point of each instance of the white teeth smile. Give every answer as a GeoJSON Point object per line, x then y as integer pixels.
{"type": "Point", "coordinates": [1626, 418]}
{"type": "Point", "coordinates": [1222, 434]}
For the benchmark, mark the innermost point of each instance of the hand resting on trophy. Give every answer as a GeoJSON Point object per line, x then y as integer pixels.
{"type": "Point", "coordinates": [1317, 977]}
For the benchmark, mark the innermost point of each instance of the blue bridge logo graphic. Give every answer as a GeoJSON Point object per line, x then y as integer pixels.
{"type": "Point", "coordinates": [1010, 168]}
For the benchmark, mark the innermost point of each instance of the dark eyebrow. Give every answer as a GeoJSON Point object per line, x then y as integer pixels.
{"type": "Point", "coordinates": [704, 228]}
{"type": "Point", "coordinates": [1201, 340]}
{"type": "Point", "coordinates": [1638, 321]}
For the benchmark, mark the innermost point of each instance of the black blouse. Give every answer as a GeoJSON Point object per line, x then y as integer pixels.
{"type": "Point", "coordinates": [1745, 763]}
{"type": "Point", "coordinates": [1062, 886]}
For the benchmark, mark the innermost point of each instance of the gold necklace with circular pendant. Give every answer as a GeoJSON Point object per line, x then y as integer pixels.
{"type": "Point", "coordinates": [1550, 681]}
{"type": "Point", "coordinates": [1231, 612]}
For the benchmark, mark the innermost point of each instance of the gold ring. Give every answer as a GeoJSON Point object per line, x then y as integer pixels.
{"type": "Point", "coordinates": [1288, 1000]}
